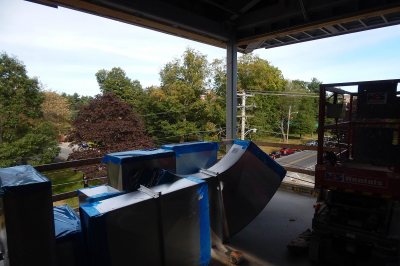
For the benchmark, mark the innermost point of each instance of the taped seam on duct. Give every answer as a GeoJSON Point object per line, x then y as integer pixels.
{"type": "Point", "coordinates": [97, 193]}
{"type": "Point", "coordinates": [268, 161]}
{"type": "Point", "coordinates": [114, 224]}
{"type": "Point", "coordinates": [135, 168]}
{"type": "Point", "coordinates": [191, 147]}
{"type": "Point", "coordinates": [193, 156]}
{"type": "Point", "coordinates": [246, 144]}
{"type": "Point", "coordinates": [204, 219]}
{"type": "Point", "coordinates": [137, 155]}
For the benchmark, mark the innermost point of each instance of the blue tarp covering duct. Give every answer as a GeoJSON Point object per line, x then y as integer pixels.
{"type": "Point", "coordinates": [248, 178]}
{"type": "Point", "coordinates": [97, 193]}
{"type": "Point", "coordinates": [70, 249]}
{"type": "Point", "coordinates": [193, 156]}
{"type": "Point", "coordinates": [26, 217]}
{"type": "Point", "coordinates": [136, 228]}
{"type": "Point", "coordinates": [128, 170]}
{"type": "Point", "coordinates": [140, 228]}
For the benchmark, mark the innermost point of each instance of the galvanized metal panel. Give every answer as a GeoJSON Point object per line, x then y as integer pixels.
{"type": "Point", "coordinates": [27, 225]}
{"type": "Point", "coordinates": [137, 229]}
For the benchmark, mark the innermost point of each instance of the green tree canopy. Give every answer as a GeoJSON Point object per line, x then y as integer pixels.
{"type": "Point", "coordinates": [116, 82]}
{"type": "Point", "coordinates": [75, 102]}
{"type": "Point", "coordinates": [24, 137]}
{"type": "Point", "coordinates": [184, 104]}
{"type": "Point", "coordinates": [255, 73]}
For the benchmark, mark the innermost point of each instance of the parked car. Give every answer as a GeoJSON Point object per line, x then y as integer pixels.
{"type": "Point", "coordinates": [312, 143]}
{"type": "Point", "coordinates": [275, 154]}
{"type": "Point", "coordinates": [286, 151]}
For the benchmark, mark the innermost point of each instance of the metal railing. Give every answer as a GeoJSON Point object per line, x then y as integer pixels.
{"type": "Point", "coordinates": [103, 179]}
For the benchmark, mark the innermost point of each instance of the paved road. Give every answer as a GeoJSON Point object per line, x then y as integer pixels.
{"type": "Point", "coordinates": [303, 159]}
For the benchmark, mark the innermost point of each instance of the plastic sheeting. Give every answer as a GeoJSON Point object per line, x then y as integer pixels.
{"type": "Point", "coordinates": [69, 240]}
{"type": "Point", "coordinates": [193, 156]}
{"type": "Point", "coordinates": [66, 222]}
{"type": "Point", "coordinates": [128, 170]}
{"type": "Point", "coordinates": [97, 193]}
{"type": "Point", "coordinates": [26, 217]}
{"type": "Point", "coordinates": [15, 178]}
{"type": "Point", "coordinates": [248, 178]}
{"type": "Point", "coordinates": [142, 229]}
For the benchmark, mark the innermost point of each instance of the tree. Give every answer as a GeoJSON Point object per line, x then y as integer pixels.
{"type": "Point", "coordinates": [183, 105]}
{"type": "Point", "coordinates": [313, 86]}
{"type": "Point", "coordinates": [257, 74]}
{"type": "Point", "coordinates": [109, 125]}
{"type": "Point", "coordinates": [24, 137]}
{"type": "Point", "coordinates": [56, 110]}
{"type": "Point", "coordinates": [37, 146]}
{"type": "Point", "coordinates": [116, 82]}
{"type": "Point", "coordinates": [75, 102]}
{"type": "Point", "coordinates": [304, 120]}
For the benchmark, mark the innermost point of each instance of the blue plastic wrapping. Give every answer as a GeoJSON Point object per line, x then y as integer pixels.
{"type": "Point", "coordinates": [204, 219]}
{"type": "Point", "coordinates": [66, 222]}
{"type": "Point", "coordinates": [128, 170]}
{"type": "Point", "coordinates": [193, 156]}
{"type": "Point", "coordinates": [26, 217]}
{"type": "Point", "coordinates": [137, 229]}
{"type": "Point", "coordinates": [19, 177]}
{"type": "Point", "coordinates": [97, 193]}
{"type": "Point", "coordinates": [70, 249]}
{"type": "Point", "coordinates": [136, 155]}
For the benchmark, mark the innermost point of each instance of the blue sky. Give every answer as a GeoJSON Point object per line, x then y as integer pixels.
{"type": "Point", "coordinates": [65, 48]}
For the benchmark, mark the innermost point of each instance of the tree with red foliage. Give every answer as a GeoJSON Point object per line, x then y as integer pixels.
{"type": "Point", "coordinates": [107, 124]}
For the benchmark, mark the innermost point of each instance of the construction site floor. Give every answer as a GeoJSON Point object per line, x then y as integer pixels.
{"type": "Point", "coordinates": [264, 241]}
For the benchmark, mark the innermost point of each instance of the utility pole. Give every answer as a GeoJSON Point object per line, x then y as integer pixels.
{"type": "Point", "coordinates": [288, 124]}
{"type": "Point", "coordinates": [290, 113]}
{"type": "Point", "coordinates": [243, 116]}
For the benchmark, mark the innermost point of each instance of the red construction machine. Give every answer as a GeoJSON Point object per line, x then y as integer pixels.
{"type": "Point", "coordinates": [357, 215]}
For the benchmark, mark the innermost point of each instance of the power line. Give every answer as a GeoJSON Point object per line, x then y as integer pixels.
{"type": "Point", "coordinates": [312, 95]}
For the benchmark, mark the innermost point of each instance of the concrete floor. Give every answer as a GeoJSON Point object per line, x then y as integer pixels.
{"type": "Point", "coordinates": [264, 240]}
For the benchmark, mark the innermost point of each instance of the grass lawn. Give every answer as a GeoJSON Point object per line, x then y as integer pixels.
{"type": "Point", "coordinates": [67, 180]}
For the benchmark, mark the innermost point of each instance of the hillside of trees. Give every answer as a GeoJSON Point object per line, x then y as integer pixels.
{"type": "Point", "coordinates": [189, 104]}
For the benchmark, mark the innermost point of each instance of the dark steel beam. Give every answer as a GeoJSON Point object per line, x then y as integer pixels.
{"type": "Point", "coordinates": [245, 8]}
{"type": "Point", "coordinates": [231, 90]}
{"type": "Point", "coordinates": [279, 12]}
{"type": "Point", "coordinates": [175, 16]}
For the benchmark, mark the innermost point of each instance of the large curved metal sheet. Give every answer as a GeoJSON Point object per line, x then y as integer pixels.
{"type": "Point", "coordinates": [247, 178]}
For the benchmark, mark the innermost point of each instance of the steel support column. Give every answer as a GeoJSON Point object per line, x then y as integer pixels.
{"type": "Point", "coordinates": [231, 89]}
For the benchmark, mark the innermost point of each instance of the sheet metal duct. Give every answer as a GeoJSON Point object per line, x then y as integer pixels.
{"type": "Point", "coordinates": [128, 170]}
{"type": "Point", "coordinates": [97, 193]}
{"type": "Point", "coordinates": [26, 217]}
{"type": "Point", "coordinates": [69, 240]}
{"type": "Point", "coordinates": [169, 227]}
{"type": "Point", "coordinates": [240, 186]}
{"type": "Point", "coordinates": [193, 156]}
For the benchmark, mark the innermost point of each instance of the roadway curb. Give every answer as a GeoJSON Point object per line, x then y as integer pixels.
{"type": "Point", "coordinates": [298, 188]}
